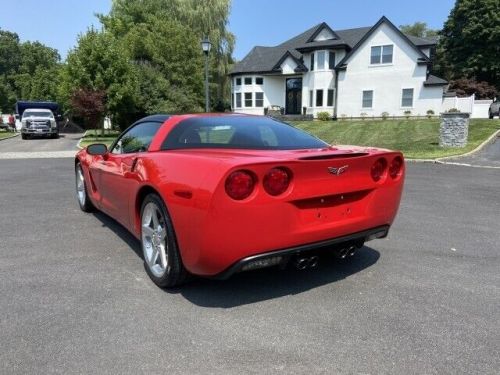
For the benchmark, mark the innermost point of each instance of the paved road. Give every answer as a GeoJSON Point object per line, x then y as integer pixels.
{"type": "Point", "coordinates": [66, 142]}
{"type": "Point", "coordinates": [75, 297]}
{"type": "Point", "coordinates": [487, 157]}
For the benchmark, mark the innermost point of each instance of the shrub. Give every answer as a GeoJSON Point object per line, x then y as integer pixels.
{"type": "Point", "coordinates": [453, 110]}
{"type": "Point", "coordinates": [407, 114]}
{"type": "Point", "coordinates": [384, 115]}
{"type": "Point", "coordinates": [363, 115]}
{"type": "Point", "coordinates": [430, 113]}
{"type": "Point", "coordinates": [323, 116]}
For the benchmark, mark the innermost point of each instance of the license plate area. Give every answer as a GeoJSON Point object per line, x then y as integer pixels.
{"type": "Point", "coordinates": [332, 208]}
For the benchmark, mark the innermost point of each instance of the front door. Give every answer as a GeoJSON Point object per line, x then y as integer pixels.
{"type": "Point", "coordinates": [293, 96]}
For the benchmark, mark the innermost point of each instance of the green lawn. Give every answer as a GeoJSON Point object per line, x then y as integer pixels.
{"type": "Point", "coordinates": [5, 134]}
{"type": "Point", "coordinates": [417, 139]}
{"type": "Point", "coordinates": [95, 136]}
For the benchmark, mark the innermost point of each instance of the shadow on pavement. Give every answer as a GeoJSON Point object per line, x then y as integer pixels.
{"type": "Point", "coordinates": [260, 285]}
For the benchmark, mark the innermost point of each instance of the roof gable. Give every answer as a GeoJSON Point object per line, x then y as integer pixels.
{"type": "Point", "coordinates": [422, 57]}
{"type": "Point", "coordinates": [299, 66]}
{"type": "Point", "coordinates": [322, 32]}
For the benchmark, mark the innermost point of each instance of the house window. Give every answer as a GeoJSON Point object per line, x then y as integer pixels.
{"type": "Point", "coordinates": [368, 99]}
{"type": "Point", "coordinates": [238, 100]}
{"type": "Point", "coordinates": [319, 98]}
{"type": "Point", "coordinates": [407, 98]}
{"type": "Point", "coordinates": [232, 100]}
{"type": "Point", "coordinates": [238, 81]}
{"type": "Point", "coordinates": [259, 80]}
{"type": "Point", "coordinates": [248, 99]}
{"type": "Point", "coordinates": [248, 80]}
{"type": "Point", "coordinates": [381, 54]}
{"type": "Point", "coordinates": [312, 61]}
{"type": "Point", "coordinates": [321, 60]}
{"type": "Point", "coordinates": [311, 98]}
{"type": "Point", "coordinates": [259, 99]}
{"type": "Point", "coordinates": [329, 99]}
{"type": "Point", "coordinates": [331, 60]}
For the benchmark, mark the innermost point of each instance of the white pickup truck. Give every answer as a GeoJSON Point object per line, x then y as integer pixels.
{"type": "Point", "coordinates": [37, 122]}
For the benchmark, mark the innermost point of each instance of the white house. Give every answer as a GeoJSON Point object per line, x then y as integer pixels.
{"type": "Point", "coordinates": [356, 72]}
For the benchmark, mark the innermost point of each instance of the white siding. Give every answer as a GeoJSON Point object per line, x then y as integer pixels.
{"type": "Point", "coordinates": [386, 80]}
{"type": "Point", "coordinates": [324, 34]}
{"type": "Point", "coordinates": [288, 66]}
{"type": "Point", "coordinates": [273, 89]}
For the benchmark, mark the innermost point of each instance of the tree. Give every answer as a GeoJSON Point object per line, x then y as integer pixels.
{"type": "Point", "coordinates": [99, 63]}
{"type": "Point", "coordinates": [469, 45]}
{"type": "Point", "coordinates": [200, 18]}
{"type": "Point", "coordinates": [90, 105]}
{"type": "Point", "coordinates": [28, 70]}
{"type": "Point", "coordinates": [169, 66]}
{"type": "Point", "coordinates": [468, 86]}
{"type": "Point", "coordinates": [418, 29]}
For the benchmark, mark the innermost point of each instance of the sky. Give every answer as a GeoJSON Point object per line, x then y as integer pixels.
{"type": "Point", "coordinates": [57, 23]}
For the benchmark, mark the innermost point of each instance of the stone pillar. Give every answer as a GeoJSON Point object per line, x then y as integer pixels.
{"type": "Point", "coordinates": [454, 129]}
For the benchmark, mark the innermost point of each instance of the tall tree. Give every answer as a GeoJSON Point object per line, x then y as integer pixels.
{"type": "Point", "coordinates": [470, 42]}
{"type": "Point", "coordinates": [28, 70]}
{"type": "Point", "coordinates": [99, 63]}
{"type": "Point", "coordinates": [201, 18]}
{"type": "Point", "coordinates": [418, 29]}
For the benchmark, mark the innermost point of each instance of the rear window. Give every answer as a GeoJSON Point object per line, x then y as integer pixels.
{"type": "Point", "coordinates": [261, 133]}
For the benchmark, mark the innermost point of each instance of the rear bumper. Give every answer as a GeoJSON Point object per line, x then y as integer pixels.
{"type": "Point", "coordinates": [282, 256]}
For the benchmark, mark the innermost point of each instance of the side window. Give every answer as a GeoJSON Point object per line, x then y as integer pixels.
{"type": "Point", "coordinates": [136, 139]}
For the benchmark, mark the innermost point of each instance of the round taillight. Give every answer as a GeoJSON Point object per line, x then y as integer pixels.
{"type": "Point", "coordinates": [276, 181]}
{"type": "Point", "coordinates": [240, 184]}
{"type": "Point", "coordinates": [378, 169]}
{"type": "Point", "coordinates": [395, 167]}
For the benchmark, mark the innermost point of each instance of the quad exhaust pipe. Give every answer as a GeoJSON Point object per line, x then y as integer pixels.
{"type": "Point", "coordinates": [346, 252]}
{"type": "Point", "coordinates": [306, 262]}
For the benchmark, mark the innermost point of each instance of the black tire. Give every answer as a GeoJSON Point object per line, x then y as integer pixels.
{"type": "Point", "coordinates": [490, 115]}
{"type": "Point", "coordinates": [85, 203]}
{"type": "Point", "coordinates": [175, 274]}
{"type": "Point", "coordinates": [24, 136]}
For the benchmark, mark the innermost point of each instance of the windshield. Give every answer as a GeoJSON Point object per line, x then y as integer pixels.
{"type": "Point", "coordinates": [37, 114]}
{"type": "Point", "coordinates": [243, 132]}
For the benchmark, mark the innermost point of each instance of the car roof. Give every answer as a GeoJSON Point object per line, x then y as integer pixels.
{"type": "Point", "coordinates": [155, 118]}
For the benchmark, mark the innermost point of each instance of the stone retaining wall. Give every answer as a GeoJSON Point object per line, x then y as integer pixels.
{"type": "Point", "coordinates": [454, 129]}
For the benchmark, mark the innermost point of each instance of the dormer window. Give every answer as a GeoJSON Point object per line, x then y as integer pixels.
{"type": "Point", "coordinates": [381, 54]}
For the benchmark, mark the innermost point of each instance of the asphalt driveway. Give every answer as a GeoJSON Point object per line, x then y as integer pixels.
{"type": "Point", "coordinates": [489, 156]}
{"type": "Point", "coordinates": [16, 148]}
{"type": "Point", "coordinates": [75, 297]}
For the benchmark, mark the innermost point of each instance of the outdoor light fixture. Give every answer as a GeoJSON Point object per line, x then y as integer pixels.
{"type": "Point", "coordinates": [206, 46]}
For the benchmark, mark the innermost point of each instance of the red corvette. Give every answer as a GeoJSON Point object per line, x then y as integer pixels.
{"type": "Point", "coordinates": [212, 195]}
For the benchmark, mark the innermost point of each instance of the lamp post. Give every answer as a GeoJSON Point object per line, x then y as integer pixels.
{"type": "Point", "coordinates": [206, 46]}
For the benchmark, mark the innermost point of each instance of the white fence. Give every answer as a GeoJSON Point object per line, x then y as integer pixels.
{"type": "Point", "coordinates": [477, 108]}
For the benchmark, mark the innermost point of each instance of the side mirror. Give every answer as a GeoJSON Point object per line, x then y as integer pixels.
{"type": "Point", "coordinates": [97, 149]}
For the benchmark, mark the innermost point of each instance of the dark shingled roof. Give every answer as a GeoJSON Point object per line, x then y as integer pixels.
{"type": "Point", "coordinates": [434, 81]}
{"type": "Point", "coordinates": [264, 59]}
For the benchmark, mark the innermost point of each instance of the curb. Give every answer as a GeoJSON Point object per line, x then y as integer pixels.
{"type": "Point", "coordinates": [80, 141]}
{"type": "Point", "coordinates": [12, 136]}
{"type": "Point", "coordinates": [444, 159]}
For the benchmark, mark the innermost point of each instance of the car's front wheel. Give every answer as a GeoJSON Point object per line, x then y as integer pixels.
{"type": "Point", "coordinates": [81, 190]}
{"type": "Point", "coordinates": [490, 115]}
{"type": "Point", "coordinates": [159, 246]}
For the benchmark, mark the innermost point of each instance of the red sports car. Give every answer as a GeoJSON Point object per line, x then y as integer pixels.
{"type": "Point", "coordinates": [212, 195]}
